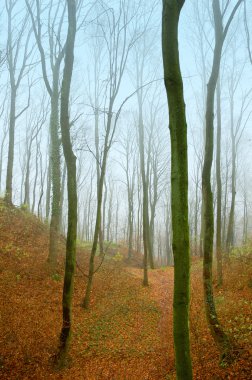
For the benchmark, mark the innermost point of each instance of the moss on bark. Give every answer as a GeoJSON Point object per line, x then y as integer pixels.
{"type": "Point", "coordinates": [179, 187]}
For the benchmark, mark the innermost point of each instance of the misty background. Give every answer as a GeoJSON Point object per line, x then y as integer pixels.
{"type": "Point", "coordinates": [118, 55]}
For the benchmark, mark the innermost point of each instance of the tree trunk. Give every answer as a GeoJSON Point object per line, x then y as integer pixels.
{"type": "Point", "coordinates": [1, 157]}
{"type": "Point", "coordinates": [145, 204]}
{"type": "Point", "coordinates": [71, 188]}
{"type": "Point", "coordinates": [245, 220]}
{"type": "Point", "coordinates": [35, 178]}
{"type": "Point", "coordinates": [97, 155]}
{"type": "Point", "coordinates": [218, 182]}
{"type": "Point", "coordinates": [224, 209]}
{"type": "Point", "coordinates": [130, 220]}
{"type": "Point", "coordinates": [27, 178]}
{"type": "Point", "coordinates": [48, 188]}
{"type": "Point", "coordinates": [56, 175]}
{"type": "Point", "coordinates": [62, 198]}
{"type": "Point", "coordinates": [216, 329]}
{"type": "Point", "coordinates": [230, 229]}
{"type": "Point", "coordinates": [179, 187]}
{"type": "Point", "coordinates": [86, 300]}
{"type": "Point", "coordinates": [9, 175]}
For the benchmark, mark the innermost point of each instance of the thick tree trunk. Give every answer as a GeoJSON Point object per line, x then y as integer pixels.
{"type": "Point", "coordinates": [218, 182]}
{"type": "Point", "coordinates": [71, 188]}
{"type": "Point", "coordinates": [179, 187]}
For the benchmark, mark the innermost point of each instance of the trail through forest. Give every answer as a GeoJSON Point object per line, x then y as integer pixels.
{"type": "Point", "coordinates": [127, 333]}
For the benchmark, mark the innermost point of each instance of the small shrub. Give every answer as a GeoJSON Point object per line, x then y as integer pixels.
{"type": "Point", "coordinates": [56, 277]}
{"type": "Point", "coordinates": [24, 207]}
{"type": "Point", "coordinates": [118, 256]}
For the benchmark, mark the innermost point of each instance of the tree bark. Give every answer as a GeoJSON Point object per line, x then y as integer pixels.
{"type": "Point", "coordinates": [179, 187]}
{"type": "Point", "coordinates": [71, 188]}
{"type": "Point", "coordinates": [56, 174]}
{"type": "Point", "coordinates": [216, 329]}
{"type": "Point", "coordinates": [219, 195]}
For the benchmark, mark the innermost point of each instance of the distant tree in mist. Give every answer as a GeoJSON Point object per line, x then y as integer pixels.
{"type": "Point", "coordinates": [17, 58]}
{"type": "Point", "coordinates": [51, 79]}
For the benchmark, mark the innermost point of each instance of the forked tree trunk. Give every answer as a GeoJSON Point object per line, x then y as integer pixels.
{"type": "Point", "coordinates": [179, 187]}
{"type": "Point", "coordinates": [216, 329]}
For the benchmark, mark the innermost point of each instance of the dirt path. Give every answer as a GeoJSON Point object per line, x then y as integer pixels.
{"type": "Point", "coordinates": [161, 291]}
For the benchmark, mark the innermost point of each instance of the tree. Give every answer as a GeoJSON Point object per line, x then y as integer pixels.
{"type": "Point", "coordinates": [129, 168]}
{"type": "Point", "coordinates": [247, 32]}
{"type": "Point", "coordinates": [237, 126]}
{"type": "Point", "coordinates": [71, 186]}
{"type": "Point", "coordinates": [219, 191]}
{"type": "Point", "coordinates": [97, 66]}
{"type": "Point", "coordinates": [141, 56]}
{"type": "Point", "coordinates": [179, 186]}
{"type": "Point", "coordinates": [34, 126]}
{"type": "Point", "coordinates": [17, 70]}
{"type": "Point", "coordinates": [56, 55]}
{"type": "Point", "coordinates": [119, 39]}
{"type": "Point", "coordinates": [5, 132]}
{"type": "Point", "coordinates": [220, 34]}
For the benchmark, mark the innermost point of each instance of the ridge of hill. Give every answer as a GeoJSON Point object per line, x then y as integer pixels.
{"type": "Point", "coordinates": [127, 333]}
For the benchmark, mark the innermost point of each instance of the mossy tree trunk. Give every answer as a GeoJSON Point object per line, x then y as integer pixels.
{"type": "Point", "coordinates": [71, 187]}
{"type": "Point", "coordinates": [179, 187]}
{"type": "Point", "coordinates": [56, 173]}
{"type": "Point", "coordinates": [219, 192]}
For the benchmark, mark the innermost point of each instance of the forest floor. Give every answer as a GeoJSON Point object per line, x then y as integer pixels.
{"type": "Point", "coordinates": [127, 333]}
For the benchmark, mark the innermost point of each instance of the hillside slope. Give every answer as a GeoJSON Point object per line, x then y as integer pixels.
{"type": "Point", "coordinates": [126, 335]}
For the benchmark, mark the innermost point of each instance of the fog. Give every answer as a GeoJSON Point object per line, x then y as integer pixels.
{"type": "Point", "coordinates": [118, 69]}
